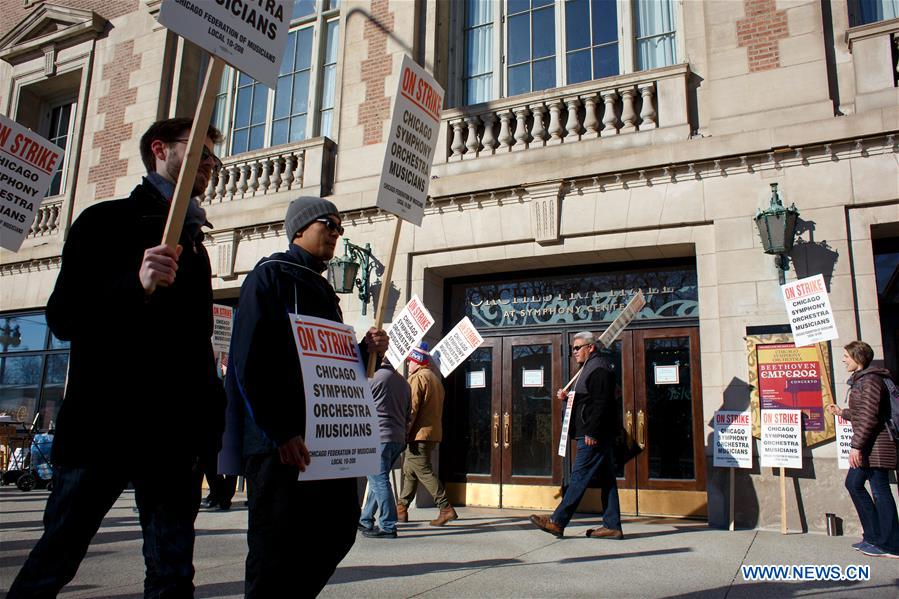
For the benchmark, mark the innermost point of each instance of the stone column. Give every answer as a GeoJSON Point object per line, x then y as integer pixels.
{"type": "Point", "coordinates": [609, 119]}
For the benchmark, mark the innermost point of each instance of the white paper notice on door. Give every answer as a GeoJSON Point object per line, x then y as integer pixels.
{"type": "Point", "coordinates": [476, 379]}
{"type": "Point", "coordinates": [532, 378]}
{"type": "Point", "coordinates": [667, 374]}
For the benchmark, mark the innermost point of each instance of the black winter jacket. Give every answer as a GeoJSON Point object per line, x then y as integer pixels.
{"type": "Point", "coordinates": [142, 381]}
{"type": "Point", "coordinates": [264, 383]}
{"type": "Point", "coordinates": [595, 410]}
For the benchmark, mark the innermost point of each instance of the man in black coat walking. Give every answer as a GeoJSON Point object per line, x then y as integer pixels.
{"type": "Point", "coordinates": [143, 401]}
{"type": "Point", "coordinates": [298, 530]}
{"type": "Point", "coordinates": [594, 425]}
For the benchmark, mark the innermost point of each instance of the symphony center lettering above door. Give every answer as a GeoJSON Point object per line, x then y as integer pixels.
{"type": "Point", "coordinates": [671, 293]}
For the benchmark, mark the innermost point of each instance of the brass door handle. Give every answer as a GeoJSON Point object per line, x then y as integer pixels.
{"type": "Point", "coordinates": [496, 429]}
{"type": "Point", "coordinates": [641, 429]}
{"type": "Point", "coordinates": [629, 425]}
{"type": "Point", "coordinates": [507, 430]}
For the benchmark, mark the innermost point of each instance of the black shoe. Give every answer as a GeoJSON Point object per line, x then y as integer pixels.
{"type": "Point", "coordinates": [363, 528]}
{"type": "Point", "coordinates": [224, 506]}
{"type": "Point", "coordinates": [208, 502]}
{"type": "Point", "coordinates": [377, 533]}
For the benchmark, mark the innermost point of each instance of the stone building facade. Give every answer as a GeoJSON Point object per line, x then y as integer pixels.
{"type": "Point", "coordinates": [586, 149]}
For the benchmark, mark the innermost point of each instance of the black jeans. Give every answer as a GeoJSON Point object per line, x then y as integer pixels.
{"type": "Point", "coordinates": [298, 531]}
{"type": "Point", "coordinates": [168, 498]}
{"type": "Point", "coordinates": [878, 516]}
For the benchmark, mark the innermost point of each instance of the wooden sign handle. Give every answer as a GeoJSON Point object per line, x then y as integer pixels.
{"type": "Point", "coordinates": [192, 158]}
{"type": "Point", "coordinates": [386, 278]}
{"type": "Point", "coordinates": [783, 502]}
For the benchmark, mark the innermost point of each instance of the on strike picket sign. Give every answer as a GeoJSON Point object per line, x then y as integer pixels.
{"type": "Point", "coordinates": [781, 439]}
{"type": "Point", "coordinates": [27, 165]}
{"type": "Point", "coordinates": [456, 346]}
{"type": "Point", "coordinates": [566, 424]}
{"type": "Point", "coordinates": [414, 127]}
{"type": "Point", "coordinates": [222, 321]}
{"type": "Point", "coordinates": [808, 308]}
{"type": "Point", "coordinates": [407, 329]}
{"type": "Point", "coordinates": [250, 36]}
{"type": "Point", "coordinates": [342, 432]}
{"type": "Point", "coordinates": [844, 438]}
{"type": "Point", "coordinates": [733, 439]}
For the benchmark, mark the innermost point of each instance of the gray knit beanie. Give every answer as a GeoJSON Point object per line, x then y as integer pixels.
{"type": "Point", "coordinates": [303, 211]}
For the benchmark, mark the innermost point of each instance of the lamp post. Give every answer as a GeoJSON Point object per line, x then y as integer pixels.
{"type": "Point", "coordinates": [777, 229]}
{"type": "Point", "coordinates": [342, 271]}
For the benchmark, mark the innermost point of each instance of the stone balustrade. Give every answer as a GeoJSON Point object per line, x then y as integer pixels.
{"type": "Point", "coordinates": [875, 48]}
{"type": "Point", "coordinates": [46, 221]}
{"type": "Point", "coordinates": [308, 164]}
{"type": "Point", "coordinates": [603, 108]}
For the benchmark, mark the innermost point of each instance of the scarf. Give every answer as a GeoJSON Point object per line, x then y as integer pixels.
{"type": "Point", "coordinates": [195, 217]}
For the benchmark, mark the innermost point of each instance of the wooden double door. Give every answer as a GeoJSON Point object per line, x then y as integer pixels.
{"type": "Point", "coordinates": [503, 424]}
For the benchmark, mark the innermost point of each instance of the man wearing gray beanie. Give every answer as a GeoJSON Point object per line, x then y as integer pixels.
{"type": "Point", "coordinates": [266, 417]}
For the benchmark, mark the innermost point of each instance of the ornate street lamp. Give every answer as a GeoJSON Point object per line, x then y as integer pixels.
{"type": "Point", "coordinates": [777, 228]}
{"type": "Point", "coordinates": [342, 271]}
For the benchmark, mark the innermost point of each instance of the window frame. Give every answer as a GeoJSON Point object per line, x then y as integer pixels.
{"type": "Point", "coordinates": [627, 45]}
{"type": "Point", "coordinates": [318, 22]}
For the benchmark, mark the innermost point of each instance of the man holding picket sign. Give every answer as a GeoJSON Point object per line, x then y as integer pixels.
{"type": "Point", "coordinates": [595, 425]}
{"type": "Point", "coordinates": [125, 301]}
{"type": "Point", "coordinates": [299, 531]}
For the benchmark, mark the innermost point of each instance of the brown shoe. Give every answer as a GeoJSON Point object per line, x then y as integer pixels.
{"type": "Point", "coordinates": [402, 514]}
{"type": "Point", "coordinates": [605, 533]}
{"type": "Point", "coordinates": [446, 514]}
{"type": "Point", "coordinates": [546, 525]}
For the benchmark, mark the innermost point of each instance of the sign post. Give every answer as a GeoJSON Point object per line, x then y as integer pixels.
{"type": "Point", "coordinates": [406, 171]}
{"type": "Point", "coordinates": [781, 448]}
{"type": "Point", "coordinates": [252, 41]}
{"type": "Point", "coordinates": [27, 165]}
{"type": "Point", "coordinates": [733, 446]}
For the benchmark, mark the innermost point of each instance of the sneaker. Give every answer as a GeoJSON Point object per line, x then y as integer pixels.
{"type": "Point", "coordinates": [546, 525]}
{"type": "Point", "coordinates": [858, 546]}
{"type": "Point", "coordinates": [875, 551]}
{"type": "Point", "coordinates": [376, 533]}
{"type": "Point", "coordinates": [362, 528]}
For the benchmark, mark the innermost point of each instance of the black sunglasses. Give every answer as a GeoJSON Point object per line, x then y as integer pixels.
{"type": "Point", "coordinates": [206, 155]}
{"type": "Point", "coordinates": [331, 225]}
{"type": "Point", "coordinates": [575, 348]}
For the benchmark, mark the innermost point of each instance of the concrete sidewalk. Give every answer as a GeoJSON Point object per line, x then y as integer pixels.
{"type": "Point", "coordinates": [488, 553]}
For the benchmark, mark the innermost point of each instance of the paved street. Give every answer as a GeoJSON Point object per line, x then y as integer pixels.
{"type": "Point", "coordinates": [489, 553]}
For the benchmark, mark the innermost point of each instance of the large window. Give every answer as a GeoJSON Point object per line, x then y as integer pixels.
{"type": "Point", "coordinates": [33, 366]}
{"type": "Point", "coordinates": [862, 12]}
{"type": "Point", "coordinates": [513, 47]}
{"type": "Point", "coordinates": [302, 105]}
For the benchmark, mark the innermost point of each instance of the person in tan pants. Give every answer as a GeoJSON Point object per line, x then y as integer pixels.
{"type": "Point", "coordinates": [425, 432]}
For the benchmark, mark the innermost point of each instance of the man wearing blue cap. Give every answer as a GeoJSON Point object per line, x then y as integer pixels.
{"type": "Point", "coordinates": [298, 531]}
{"type": "Point", "coordinates": [424, 435]}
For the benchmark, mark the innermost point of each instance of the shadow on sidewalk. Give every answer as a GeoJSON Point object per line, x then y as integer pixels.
{"type": "Point", "coordinates": [350, 574]}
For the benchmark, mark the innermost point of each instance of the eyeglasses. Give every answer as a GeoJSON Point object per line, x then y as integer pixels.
{"type": "Point", "coordinates": [331, 225]}
{"type": "Point", "coordinates": [206, 155]}
{"type": "Point", "coordinates": [576, 348]}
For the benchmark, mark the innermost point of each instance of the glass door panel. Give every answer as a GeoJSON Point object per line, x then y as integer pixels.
{"type": "Point", "coordinates": [530, 420]}
{"type": "Point", "coordinates": [669, 405]}
{"type": "Point", "coordinates": [471, 445]}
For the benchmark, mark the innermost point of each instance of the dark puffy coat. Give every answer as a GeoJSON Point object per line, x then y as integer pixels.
{"type": "Point", "coordinates": [595, 408]}
{"type": "Point", "coordinates": [264, 384]}
{"type": "Point", "coordinates": [142, 380]}
{"type": "Point", "coordinates": [869, 407]}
